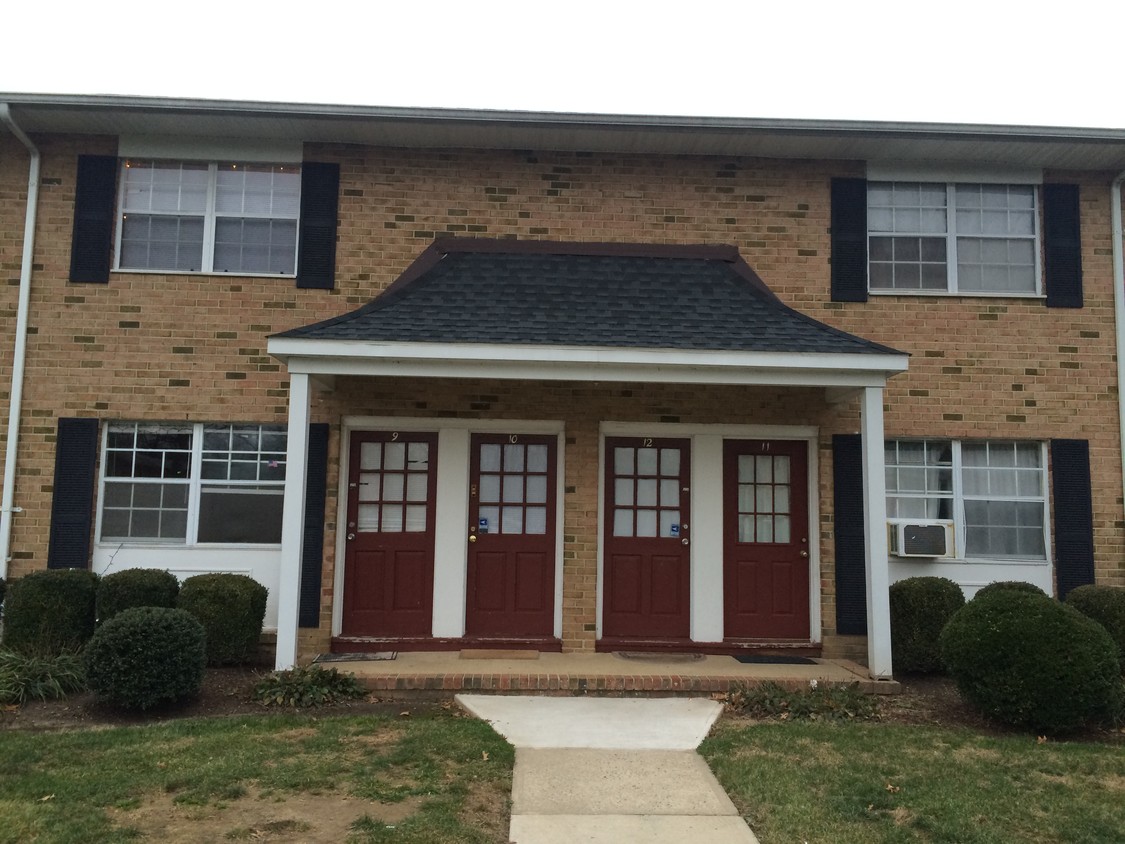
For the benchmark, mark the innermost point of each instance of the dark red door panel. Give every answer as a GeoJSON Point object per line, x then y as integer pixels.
{"type": "Point", "coordinates": [511, 567]}
{"type": "Point", "coordinates": [765, 540]}
{"type": "Point", "coordinates": [647, 568]}
{"type": "Point", "coordinates": [389, 556]}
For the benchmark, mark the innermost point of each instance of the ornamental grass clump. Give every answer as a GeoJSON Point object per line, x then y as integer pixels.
{"type": "Point", "coordinates": [25, 677]}
{"type": "Point", "coordinates": [123, 590]}
{"type": "Point", "coordinates": [50, 612]}
{"type": "Point", "coordinates": [146, 657]}
{"type": "Point", "coordinates": [232, 609]}
{"type": "Point", "coordinates": [920, 608]}
{"type": "Point", "coordinates": [1033, 663]}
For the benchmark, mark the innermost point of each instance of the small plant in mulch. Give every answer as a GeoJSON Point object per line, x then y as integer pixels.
{"type": "Point", "coordinates": [816, 703]}
{"type": "Point", "coordinates": [306, 687]}
{"type": "Point", "coordinates": [25, 677]}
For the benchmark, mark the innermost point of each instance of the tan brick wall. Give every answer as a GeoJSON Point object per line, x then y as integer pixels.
{"type": "Point", "coordinates": [150, 346]}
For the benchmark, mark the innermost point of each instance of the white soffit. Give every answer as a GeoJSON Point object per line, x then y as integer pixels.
{"type": "Point", "coordinates": [183, 148]}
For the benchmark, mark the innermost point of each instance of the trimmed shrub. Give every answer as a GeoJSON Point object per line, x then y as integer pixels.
{"type": "Point", "coordinates": [25, 677]}
{"type": "Point", "coordinates": [48, 612]}
{"type": "Point", "coordinates": [1106, 605]}
{"type": "Point", "coordinates": [231, 608]}
{"type": "Point", "coordinates": [1011, 586]}
{"type": "Point", "coordinates": [135, 588]}
{"type": "Point", "coordinates": [920, 608]}
{"type": "Point", "coordinates": [1031, 662]}
{"type": "Point", "coordinates": [304, 687]}
{"type": "Point", "coordinates": [146, 656]}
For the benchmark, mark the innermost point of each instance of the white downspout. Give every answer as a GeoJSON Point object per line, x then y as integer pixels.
{"type": "Point", "coordinates": [15, 396]}
{"type": "Point", "coordinates": [1119, 309]}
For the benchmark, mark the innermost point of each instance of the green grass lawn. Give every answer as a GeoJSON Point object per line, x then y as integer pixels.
{"type": "Point", "coordinates": [426, 778]}
{"type": "Point", "coordinates": [868, 783]}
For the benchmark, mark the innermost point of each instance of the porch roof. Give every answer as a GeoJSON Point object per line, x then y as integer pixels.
{"type": "Point", "coordinates": [590, 303]}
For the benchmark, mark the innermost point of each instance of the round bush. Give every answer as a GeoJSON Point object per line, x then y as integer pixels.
{"type": "Point", "coordinates": [1031, 662]}
{"type": "Point", "coordinates": [1011, 586]}
{"type": "Point", "coordinates": [146, 656]}
{"type": "Point", "coordinates": [48, 612]}
{"type": "Point", "coordinates": [123, 590]}
{"type": "Point", "coordinates": [920, 608]}
{"type": "Point", "coordinates": [1106, 605]}
{"type": "Point", "coordinates": [231, 608]}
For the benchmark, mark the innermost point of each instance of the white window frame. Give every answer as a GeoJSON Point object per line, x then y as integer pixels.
{"type": "Point", "coordinates": [950, 178]}
{"type": "Point", "coordinates": [958, 498]}
{"type": "Point", "coordinates": [209, 215]}
{"type": "Point", "coordinates": [194, 482]}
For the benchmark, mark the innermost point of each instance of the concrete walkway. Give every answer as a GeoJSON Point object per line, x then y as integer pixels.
{"type": "Point", "coordinates": [611, 770]}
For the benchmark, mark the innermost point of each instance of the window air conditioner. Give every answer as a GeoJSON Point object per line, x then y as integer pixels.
{"type": "Point", "coordinates": [921, 538]}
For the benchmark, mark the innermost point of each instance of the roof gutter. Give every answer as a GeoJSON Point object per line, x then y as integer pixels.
{"type": "Point", "coordinates": [1119, 307]}
{"type": "Point", "coordinates": [15, 394]}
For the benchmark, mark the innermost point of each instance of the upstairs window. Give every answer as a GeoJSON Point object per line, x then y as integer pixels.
{"type": "Point", "coordinates": [210, 217]}
{"type": "Point", "coordinates": [189, 484]}
{"type": "Point", "coordinates": [930, 237]}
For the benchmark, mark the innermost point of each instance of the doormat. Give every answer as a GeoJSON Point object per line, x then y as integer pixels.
{"type": "Point", "coordinates": [775, 660]}
{"type": "Point", "coordinates": [644, 656]}
{"type": "Point", "coordinates": [489, 653]}
{"type": "Point", "coordinates": [357, 657]}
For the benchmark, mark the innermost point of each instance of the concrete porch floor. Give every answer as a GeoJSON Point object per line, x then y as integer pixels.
{"type": "Point", "coordinates": [438, 674]}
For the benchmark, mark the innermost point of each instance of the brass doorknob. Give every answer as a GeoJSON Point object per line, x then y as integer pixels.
{"type": "Point", "coordinates": [472, 537]}
{"type": "Point", "coordinates": [804, 553]}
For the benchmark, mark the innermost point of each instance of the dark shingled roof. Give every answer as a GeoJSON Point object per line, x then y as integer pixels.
{"type": "Point", "coordinates": [585, 294]}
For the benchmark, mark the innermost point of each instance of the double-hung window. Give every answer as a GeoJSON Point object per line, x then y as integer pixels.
{"type": "Point", "coordinates": [190, 484]}
{"type": "Point", "coordinates": [211, 217]}
{"type": "Point", "coordinates": [930, 237]}
{"type": "Point", "coordinates": [993, 491]}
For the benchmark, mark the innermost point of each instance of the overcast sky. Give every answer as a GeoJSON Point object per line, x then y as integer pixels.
{"type": "Point", "coordinates": [947, 61]}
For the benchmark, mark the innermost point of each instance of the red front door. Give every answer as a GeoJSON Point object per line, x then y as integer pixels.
{"type": "Point", "coordinates": [647, 572]}
{"type": "Point", "coordinates": [511, 576]}
{"type": "Point", "coordinates": [389, 558]}
{"type": "Point", "coordinates": [765, 540]}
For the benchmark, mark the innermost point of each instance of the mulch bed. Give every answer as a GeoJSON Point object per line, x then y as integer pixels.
{"type": "Point", "coordinates": [924, 700]}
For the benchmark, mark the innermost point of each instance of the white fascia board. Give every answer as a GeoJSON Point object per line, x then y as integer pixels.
{"type": "Point", "coordinates": [459, 360]}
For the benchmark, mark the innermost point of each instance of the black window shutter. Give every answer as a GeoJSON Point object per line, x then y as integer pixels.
{"type": "Point", "coordinates": [1074, 514]}
{"type": "Point", "coordinates": [849, 240]}
{"type": "Point", "coordinates": [95, 192]}
{"type": "Point", "coordinates": [72, 507]}
{"type": "Point", "coordinates": [316, 252]}
{"type": "Point", "coordinates": [312, 549]}
{"type": "Point", "coordinates": [1062, 246]}
{"type": "Point", "coordinates": [847, 527]}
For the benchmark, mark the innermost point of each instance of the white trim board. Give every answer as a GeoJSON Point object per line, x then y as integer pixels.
{"type": "Point", "coordinates": [461, 360]}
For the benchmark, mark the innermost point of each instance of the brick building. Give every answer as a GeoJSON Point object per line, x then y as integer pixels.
{"type": "Point", "coordinates": [441, 378]}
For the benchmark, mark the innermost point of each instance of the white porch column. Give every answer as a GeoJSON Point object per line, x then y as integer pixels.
{"type": "Point", "coordinates": [875, 535]}
{"type": "Point", "coordinates": [293, 522]}
{"type": "Point", "coordinates": [451, 536]}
